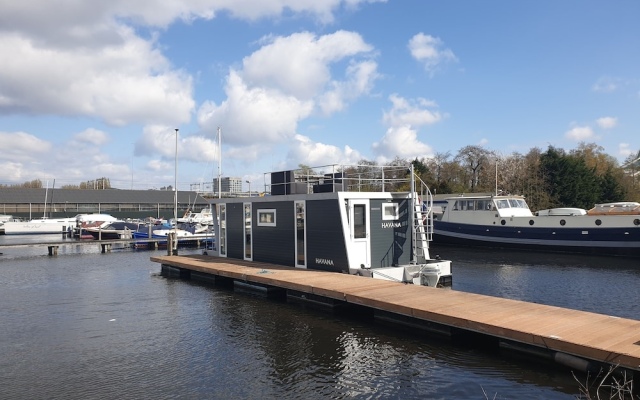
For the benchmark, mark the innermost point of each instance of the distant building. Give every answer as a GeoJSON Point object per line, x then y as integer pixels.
{"type": "Point", "coordinates": [228, 185]}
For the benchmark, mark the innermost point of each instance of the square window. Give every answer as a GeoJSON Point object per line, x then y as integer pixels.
{"type": "Point", "coordinates": [390, 211]}
{"type": "Point", "coordinates": [267, 217]}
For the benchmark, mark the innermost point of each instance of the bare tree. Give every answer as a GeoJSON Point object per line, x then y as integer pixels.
{"type": "Point", "coordinates": [473, 159]}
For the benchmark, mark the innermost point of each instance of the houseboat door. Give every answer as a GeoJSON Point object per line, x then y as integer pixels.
{"type": "Point", "coordinates": [360, 233]}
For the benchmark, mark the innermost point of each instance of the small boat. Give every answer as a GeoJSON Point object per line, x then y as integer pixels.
{"type": "Point", "coordinates": [162, 231]}
{"type": "Point", "coordinates": [619, 208]}
{"type": "Point", "coordinates": [54, 225]}
{"type": "Point", "coordinates": [505, 221]}
{"type": "Point", "coordinates": [38, 226]}
{"type": "Point", "coordinates": [112, 230]}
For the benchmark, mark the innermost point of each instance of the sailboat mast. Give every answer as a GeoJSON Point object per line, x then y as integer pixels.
{"type": "Point", "coordinates": [219, 163]}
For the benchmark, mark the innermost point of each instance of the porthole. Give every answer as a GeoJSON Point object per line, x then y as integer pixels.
{"type": "Point", "coordinates": [562, 222]}
{"type": "Point", "coordinates": [531, 222]}
{"type": "Point", "coordinates": [598, 222]}
{"type": "Point", "coordinates": [636, 221]}
{"type": "Point", "coordinates": [503, 222]}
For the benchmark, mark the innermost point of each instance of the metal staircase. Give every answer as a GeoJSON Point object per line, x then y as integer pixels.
{"type": "Point", "coordinates": [422, 221]}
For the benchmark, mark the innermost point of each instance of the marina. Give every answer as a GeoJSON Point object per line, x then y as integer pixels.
{"type": "Point", "coordinates": [95, 326]}
{"type": "Point", "coordinates": [368, 257]}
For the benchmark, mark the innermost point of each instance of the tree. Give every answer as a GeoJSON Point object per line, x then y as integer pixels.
{"type": "Point", "coordinates": [473, 159]}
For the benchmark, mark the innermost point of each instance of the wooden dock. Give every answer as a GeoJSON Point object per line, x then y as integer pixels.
{"type": "Point", "coordinates": [577, 339]}
{"type": "Point", "coordinates": [105, 245]}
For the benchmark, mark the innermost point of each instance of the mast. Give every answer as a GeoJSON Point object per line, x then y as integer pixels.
{"type": "Point", "coordinates": [219, 163]}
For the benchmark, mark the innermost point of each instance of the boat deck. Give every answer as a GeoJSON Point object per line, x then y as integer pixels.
{"type": "Point", "coordinates": [595, 337]}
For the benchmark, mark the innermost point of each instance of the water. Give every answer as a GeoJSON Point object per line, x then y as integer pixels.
{"type": "Point", "coordinates": [86, 325]}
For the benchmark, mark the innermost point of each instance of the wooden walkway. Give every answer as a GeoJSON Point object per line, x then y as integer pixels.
{"type": "Point", "coordinates": [590, 336]}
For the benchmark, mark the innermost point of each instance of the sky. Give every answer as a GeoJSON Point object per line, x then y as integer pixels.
{"type": "Point", "coordinates": [92, 89]}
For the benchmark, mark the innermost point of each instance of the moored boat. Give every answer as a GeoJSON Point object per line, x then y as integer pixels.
{"type": "Point", "coordinates": [112, 230]}
{"type": "Point", "coordinates": [344, 221]}
{"type": "Point", "coordinates": [54, 225]}
{"type": "Point", "coordinates": [507, 222]}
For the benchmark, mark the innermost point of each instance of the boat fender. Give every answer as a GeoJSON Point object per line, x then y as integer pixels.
{"type": "Point", "coordinates": [636, 221]}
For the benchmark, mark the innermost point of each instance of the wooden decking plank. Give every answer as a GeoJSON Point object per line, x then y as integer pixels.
{"type": "Point", "coordinates": [588, 335]}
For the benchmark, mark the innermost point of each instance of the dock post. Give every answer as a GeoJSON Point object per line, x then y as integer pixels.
{"type": "Point", "coordinates": [105, 247]}
{"type": "Point", "coordinates": [53, 250]}
{"type": "Point", "coordinates": [172, 244]}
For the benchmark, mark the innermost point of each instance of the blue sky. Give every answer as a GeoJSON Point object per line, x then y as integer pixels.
{"type": "Point", "coordinates": [96, 89]}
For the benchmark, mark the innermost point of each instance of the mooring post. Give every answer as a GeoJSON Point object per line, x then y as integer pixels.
{"type": "Point", "coordinates": [169, 243]}
{"type": "Point", "coordinates": [53, 250]}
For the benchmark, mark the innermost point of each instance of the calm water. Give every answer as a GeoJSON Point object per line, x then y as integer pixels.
{"type": "Point", "coordinates": [86, 325]}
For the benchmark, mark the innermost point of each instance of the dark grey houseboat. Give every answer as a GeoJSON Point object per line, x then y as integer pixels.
{"type": "Point", "coordinates": [350, 220]}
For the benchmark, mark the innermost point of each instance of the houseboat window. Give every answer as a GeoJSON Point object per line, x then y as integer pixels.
{"type": "Point", "coordinates": [502, 203]}
{"type": "Point", "coordinates": [390, 211]}
{"type": "Point", "coordinates": [300, 229]}
{"type": "Point", "coordinates": [223, 230]}
{"type": "Point", "coordinates": [267, 217]}
{"type": "Point", "coordinates": [359, 221]}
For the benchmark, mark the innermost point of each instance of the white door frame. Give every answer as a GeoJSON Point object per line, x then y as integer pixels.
{"type": "Point", "coordinates": [360, 246]}
{"type": "Point", "coordinates": [304, 233]}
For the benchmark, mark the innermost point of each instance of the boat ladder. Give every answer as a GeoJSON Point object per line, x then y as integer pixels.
{"type": "Point", "coordinates": [422, 222]}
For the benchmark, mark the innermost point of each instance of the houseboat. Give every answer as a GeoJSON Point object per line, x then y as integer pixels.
{"type": "Point", "coordinates": [507, 222]}
{"type": "Point", "coordinates": [348, 220]}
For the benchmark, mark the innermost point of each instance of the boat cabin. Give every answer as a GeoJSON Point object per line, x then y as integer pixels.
{"type": "Point", "coordinates": [336, 222]}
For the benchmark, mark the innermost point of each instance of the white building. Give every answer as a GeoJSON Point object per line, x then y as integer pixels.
{"type": "Point", "coordinates": [228, 185]}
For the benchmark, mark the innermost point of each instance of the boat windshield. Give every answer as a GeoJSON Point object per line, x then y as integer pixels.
{"type": "Point", "coordinates": [518, 203]}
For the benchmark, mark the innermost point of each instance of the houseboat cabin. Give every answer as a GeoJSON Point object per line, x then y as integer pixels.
{"type": "Point", "coordinates": [335, 222]}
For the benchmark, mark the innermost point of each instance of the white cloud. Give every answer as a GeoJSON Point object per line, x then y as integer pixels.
{"type": "Point", "coordinates": [414, 112]}
{"type": "Point", "coordinates": [624, 150]}
{"type": "Point", "coordinates": [606, 84]}
{"type": "Point", "coordinates": [253, 114]}
{"type": "Point", "coordinates": [85, 59]}
{"type": "Point", "coordinates": [121, 82]}
{"type": "Point", "coordinates": [18, 147]}
{"type": "Point", "coordinates": [360, 75]}
{"type": "Point", "coordinates": [299, 64]}
{"type": "Point", "coordinates": [580, 133]}
{"type": "Point", "coordinates": [607, 122]}
{"type": "Point", "coordinates": [430, 51]}
{"type": "Point", "coordinates": [305, 151]}
{"type": "Point", "coordinates": [400, 142]}
{"type": "Point", "coordinates": [284, 82]}
{"type": "Point", "coordinates": [401, 139]}
{"type": "Point", "coordinates": [91, 136]}
{"type": "Point", "coordinates": [160, 141]}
